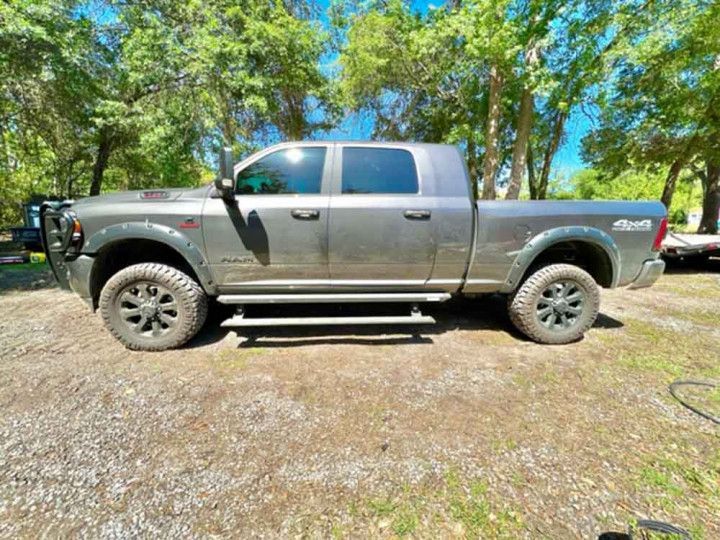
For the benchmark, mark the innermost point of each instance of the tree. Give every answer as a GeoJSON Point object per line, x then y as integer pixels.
{"type": "Point", "coordinates": [659, 106]}
{"type": "Point", "coordinates": [45, 81]}
{"type": "Point", "coordinates": [116, 94]}
{"type": "Point", "coordinates": [436, 77]}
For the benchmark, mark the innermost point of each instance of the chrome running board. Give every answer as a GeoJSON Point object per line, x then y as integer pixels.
{"type": "Point", "coordinates": [332, 298]}
{"type": "Point", "coordinates": [327, 321]}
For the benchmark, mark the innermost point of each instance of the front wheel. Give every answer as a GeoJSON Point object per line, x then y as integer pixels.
{"type": "Point", "coordinates": [152, 307]}
{"type": "Point", "coordinates": [557, 304]}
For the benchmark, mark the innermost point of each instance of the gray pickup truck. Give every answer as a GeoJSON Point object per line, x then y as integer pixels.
{"type": "Point", "coordinates": [341, 222]}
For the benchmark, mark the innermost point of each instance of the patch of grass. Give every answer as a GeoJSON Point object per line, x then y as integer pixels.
{"type": "Point", "coordinates": [704, 481]}
{"type": "Point", "coordinates": [502, 445]}
{"type": "Point", "coordinates": [646, 330]}
{"type": "Point", "coordinates": [701, 317]}
{"type": "Point", "coordinates": [469, 507]}
{"type": "Point", "coordinates": [25, 276]}
{"type": "Point", "coordinates": [550, 376]}
{"type": "Point", "coordinates": [495, 337]}
{"type": "Point", "coordinates": [523, 381]}
{"type": "Point", "coordinates": [703, 289]}
{"type": "Point", "coordinates": [406, 520]}
{"type": "Point", "coordinates": [469, 503]}
{"type": "Point", "coordinates": [25, 267]}
{"type": "Point", "coordinates": [337, 532]}
{"type": "Point", "coordinates": [403, 514]}
{"type": "Point", "coordinates": [673, 484]}
{"type": "Point", "coordinates": [658, 479]}
{"type": "Point", "coordinates": [460, 503]}
{"type": "Point", "coordinates": [235, 359]}
{"type": "Point", "coordinates": [657, 363]}
{"type": "Point", "coordinates": [518, 479]}
{"type": "Point", "coordinates": [381, 507]}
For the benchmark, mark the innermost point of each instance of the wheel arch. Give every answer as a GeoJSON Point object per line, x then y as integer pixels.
{"type": "Point", "coordinates": [595, 251]}
{"type": "Point", "coordinates": [122, 245]}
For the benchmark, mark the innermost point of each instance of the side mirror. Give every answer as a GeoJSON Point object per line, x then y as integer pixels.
{"type": "Point", "coordinates": [224, 183]}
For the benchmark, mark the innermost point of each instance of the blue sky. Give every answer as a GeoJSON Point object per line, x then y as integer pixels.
{"type": "Point", "coordinates": [567, 159]}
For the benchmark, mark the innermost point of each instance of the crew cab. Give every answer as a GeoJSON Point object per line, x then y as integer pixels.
{"type": "Point", "coordinates": [344, 222]}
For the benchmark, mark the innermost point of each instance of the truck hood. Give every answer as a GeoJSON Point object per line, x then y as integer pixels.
{"type": "Point", "coordinates": [139, 196]}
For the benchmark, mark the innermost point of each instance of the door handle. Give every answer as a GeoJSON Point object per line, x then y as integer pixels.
{"type": "Point", "coordinates": [303, 213]}
{"type": "Point", "coordinates": [417, 214]}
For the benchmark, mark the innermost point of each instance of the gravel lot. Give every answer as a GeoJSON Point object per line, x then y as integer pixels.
{"type": "Point", "coordinates": [464, 430]}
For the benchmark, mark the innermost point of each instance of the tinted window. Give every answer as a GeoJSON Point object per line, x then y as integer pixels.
{"type": "Point", "coordinates": [378, 170]}
{"type": "Point", "coordinates": [293, 170]}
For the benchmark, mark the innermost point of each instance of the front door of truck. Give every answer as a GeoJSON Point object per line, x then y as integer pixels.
{"type": "Point", "coordinates": [381, 229]}
{"type": "Point", "coordinates": [274, 235]}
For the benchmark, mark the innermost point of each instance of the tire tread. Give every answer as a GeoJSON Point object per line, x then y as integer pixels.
{"type": "Point", "coordinates": [521, 305]}
{"type": "Point", "coordinates": [188, 292]}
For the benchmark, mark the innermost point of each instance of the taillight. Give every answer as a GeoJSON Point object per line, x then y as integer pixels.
{"type": "Point", "coordinates": [662, 231]}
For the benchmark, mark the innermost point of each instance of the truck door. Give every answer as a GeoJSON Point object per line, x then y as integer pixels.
{"type": "Point", "coordinates": [381, 228]}
{"type": "Point", "coordinates": [274, 235]}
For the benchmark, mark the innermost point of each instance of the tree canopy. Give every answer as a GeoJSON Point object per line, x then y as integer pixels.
{"type": "Point", "coordinates": [117, 94]}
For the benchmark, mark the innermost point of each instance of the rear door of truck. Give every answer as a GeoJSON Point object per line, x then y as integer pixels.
{"type": "Point", "coordinates": [380, 229]}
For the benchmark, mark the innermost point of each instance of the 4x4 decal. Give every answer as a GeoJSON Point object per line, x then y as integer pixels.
{"type": "Point", "coordinates": [629, 225]}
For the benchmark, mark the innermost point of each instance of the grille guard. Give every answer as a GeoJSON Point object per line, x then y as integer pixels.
{"type": "Point", "coordinates": [56, 229]}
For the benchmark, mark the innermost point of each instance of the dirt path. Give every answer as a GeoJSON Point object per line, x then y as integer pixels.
{"type": "Point", "coordinates": [463, 430]}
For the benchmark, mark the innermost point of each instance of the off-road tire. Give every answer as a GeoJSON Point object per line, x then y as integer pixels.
{"type": "Point", "coordinates": [523, 304]}
{"type": "Point", "coordinates": [190, 299]}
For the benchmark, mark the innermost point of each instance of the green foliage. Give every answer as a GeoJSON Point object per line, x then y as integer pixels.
{"type": "Point", "coordinates": [113, 95]}
{"type": "Point", "coordinates": [630, 185]}
{"type": "Point", "coordinates": [426, 77]}
{"type": "Point", "coordinates": [659, 102]}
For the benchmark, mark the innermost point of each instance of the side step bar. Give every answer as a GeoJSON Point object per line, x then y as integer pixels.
{"type": "Point", "coordinates": [239, 320]}
{"type": "Point", "coordinates": [331, 298]}
{"type": "Point", "coordinates": [415, 317]}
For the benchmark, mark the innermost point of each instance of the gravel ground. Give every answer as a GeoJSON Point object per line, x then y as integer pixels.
{"type": "Point", "coordinates": [465, 429]}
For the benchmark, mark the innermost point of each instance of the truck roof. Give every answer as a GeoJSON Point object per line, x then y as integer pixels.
{"type": "Point", "coordinates": [389, 144]}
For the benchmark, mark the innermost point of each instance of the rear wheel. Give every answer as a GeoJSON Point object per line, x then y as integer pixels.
{"type": "Point", "coordinates": [556, 304]}
{"type": "Point", "coordinates": [152, 307]}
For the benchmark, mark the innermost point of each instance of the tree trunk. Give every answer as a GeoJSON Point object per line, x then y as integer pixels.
{"type": "Point", "coordinates": [531, 173]}
{"type": "Point", "coordinates": [472, 162]}
{"type": "Point", "coordinates": [101, 161]}
{"type": "Point", "coordinates": [558, 129]}
{"type": "Point", "coordinates": [522, 130]}
{"type": "Point", "coordinates": [492, 133]}
{"type": "Point", "coordinates": [522, 134]}
{"type": "Point", "coordinates": [671, 181]}
{"type": "Point", "coordinates": [292, 119]}
{"type": "Point", "coordinates": [711, 200]}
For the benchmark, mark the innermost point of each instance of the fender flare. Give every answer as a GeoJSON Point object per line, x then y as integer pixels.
{"type": "Point", "coordinates": [159, 233]}
{"type": "Point", "coordinates": [539, 243]}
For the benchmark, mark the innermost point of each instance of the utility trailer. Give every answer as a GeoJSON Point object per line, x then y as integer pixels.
{"type": "Point", "coordinates": [29, 233]}
{"type": "Point", "coordinates": [687, 246]}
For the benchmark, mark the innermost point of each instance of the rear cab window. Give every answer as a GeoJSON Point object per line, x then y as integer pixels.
{"type": "Point", "coordinates": [368, 170]}
{"type": "Point", "coordinates": [295, 170]}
